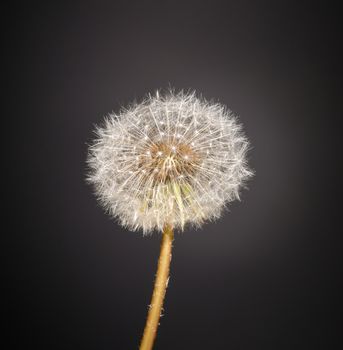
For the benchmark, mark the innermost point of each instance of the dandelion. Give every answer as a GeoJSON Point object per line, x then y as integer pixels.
{"type": "Point", "coordinates": [169, 161]}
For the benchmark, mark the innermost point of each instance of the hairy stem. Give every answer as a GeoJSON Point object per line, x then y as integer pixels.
{"type": "Point", "coordinates": [159, 292]}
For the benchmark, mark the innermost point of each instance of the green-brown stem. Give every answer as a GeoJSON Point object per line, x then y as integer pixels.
{"type": "Point", "coordinates": [161, 283]}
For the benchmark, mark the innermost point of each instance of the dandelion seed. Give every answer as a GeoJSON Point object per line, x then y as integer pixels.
{"type": "Point", "coordinates": [210, 140]}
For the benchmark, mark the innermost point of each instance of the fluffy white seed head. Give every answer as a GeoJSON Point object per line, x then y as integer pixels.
{"type": "Point", "coordinates": [171, 159]}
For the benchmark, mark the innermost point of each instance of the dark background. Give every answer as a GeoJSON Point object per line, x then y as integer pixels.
{"type": "Point", "coordinates": [266, 275]}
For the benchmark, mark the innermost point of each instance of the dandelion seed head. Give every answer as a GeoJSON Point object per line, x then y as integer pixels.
{"type": "Point", "coordinates": [172, 159]}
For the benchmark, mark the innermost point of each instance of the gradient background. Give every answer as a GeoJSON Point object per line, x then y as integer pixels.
{"type": "Point", "coordinates": [265, 276]}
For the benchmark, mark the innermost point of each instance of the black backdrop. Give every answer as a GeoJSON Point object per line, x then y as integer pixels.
{"type": "Point", "coordinates": [266, 275]}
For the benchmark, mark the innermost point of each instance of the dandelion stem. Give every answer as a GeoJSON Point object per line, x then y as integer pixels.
{"type": "Point", "coordinates": [161, 282]}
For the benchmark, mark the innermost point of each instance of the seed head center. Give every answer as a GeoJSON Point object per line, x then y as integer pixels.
{"type": "Point", "coordinates": [166, 162]}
